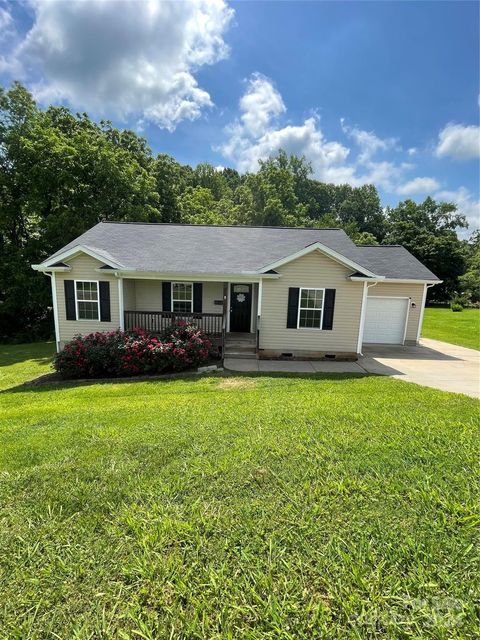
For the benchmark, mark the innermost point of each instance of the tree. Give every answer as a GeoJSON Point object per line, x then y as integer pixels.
{"type": "Point", "coordinates": [428, 231]}
{"type": "Point", "coordinates": [362, 206]}
{"type": "Point", "coordinates": [59, 175]}
{"type": "Point", "coordinates": [470, 280]}
{"type": "Point", "coordinates": [198, 206]}
{"type": "Point", "coordinates": [170, 180]}
{"type": "Point", "coordinates": [205, 175]}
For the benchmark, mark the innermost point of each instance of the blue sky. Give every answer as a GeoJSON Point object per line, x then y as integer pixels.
{"type": "Point", "coordinates": [380, 92]}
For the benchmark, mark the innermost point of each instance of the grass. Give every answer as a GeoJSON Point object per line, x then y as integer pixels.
{"type": "Point", "coordinates": [257, 507]}
{"type": "Point", "coordinates": [462, 328]}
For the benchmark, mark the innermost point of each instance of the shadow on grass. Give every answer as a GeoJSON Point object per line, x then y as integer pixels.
{"type": "Point", "coordinates": [54, 385]}
{"type": "Point", "coordinates": [38, 352]}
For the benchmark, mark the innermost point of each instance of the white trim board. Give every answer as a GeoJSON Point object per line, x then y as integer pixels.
{"type": "Point", "coordinates": [195, 277]}
{"type": "Point", "coordinates": [73, 252]}
{"type": "Point", "coordinates": [300, 308]}
{"type": "Point", "coordinates": [55, 310]}
{"type": "Point", "coordinates": [393, 280]}
{"type": "Point", "coordinates": [77, 319]}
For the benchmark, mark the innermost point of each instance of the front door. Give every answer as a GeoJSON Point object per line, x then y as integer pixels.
{"type": "Point", "coordinates": [240, 307]}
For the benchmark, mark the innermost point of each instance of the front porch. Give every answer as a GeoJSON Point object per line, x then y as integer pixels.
{"type": "Point", "coordinates": [226, 312]}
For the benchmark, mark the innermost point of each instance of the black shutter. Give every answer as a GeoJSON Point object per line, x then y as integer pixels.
{"type": "Point", "coordinates": [70, 299]}
{"type": "Point", "coordinates": [104, 301]}
{"type": "Point", "coordinates": [197, 297]}
{"type": "Point", "coordinates": [166, 296]}
{"type": "Point", "coordinates": [292, 312]}
{"type": "Point", "coordinates": [328, 309]}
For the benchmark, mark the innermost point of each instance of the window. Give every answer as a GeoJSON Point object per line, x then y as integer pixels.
{"type": "Point", "coordinates": [86, 295]}
{"type": "Point", "coordinates": [182, 297]}
{"type": "Point", "coordinates": [310, 308]}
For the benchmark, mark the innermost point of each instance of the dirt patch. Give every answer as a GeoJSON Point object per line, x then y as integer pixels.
{"type": "Point", "coordinates": [237, 383]}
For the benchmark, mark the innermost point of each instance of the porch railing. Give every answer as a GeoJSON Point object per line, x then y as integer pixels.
{"type": "Point", "coordinates": [158, 321]}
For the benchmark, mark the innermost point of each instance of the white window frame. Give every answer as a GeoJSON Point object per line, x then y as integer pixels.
{"type": "Point", "coordinates": [97, 301]}
{"type": "Point", "coordinates": [172, 299]}
{"type": "Point", "coordinates": [300, 308]}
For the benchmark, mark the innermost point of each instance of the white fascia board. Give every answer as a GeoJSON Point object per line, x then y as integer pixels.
{"type": "Point", "coordinates": [318, 246]}
{"type": "Point", "coordinates": [42, 268]}
{"type": "Point", "coordinates": [195, 277]}
{"type": "Point", "coordinates": [73, 252]}
{"type": "Point", "coordinates": [393, 280]}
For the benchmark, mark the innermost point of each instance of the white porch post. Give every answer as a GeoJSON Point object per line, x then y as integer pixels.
{"type": "Point", "coordinates": [121, 310]}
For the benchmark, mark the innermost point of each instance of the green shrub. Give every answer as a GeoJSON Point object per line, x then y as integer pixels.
{"type": "Point", "coordinates": [456, 306]}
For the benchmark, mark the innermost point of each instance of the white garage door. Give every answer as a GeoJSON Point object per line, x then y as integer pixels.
{"type": "Point", "coordinates": [385, 320]}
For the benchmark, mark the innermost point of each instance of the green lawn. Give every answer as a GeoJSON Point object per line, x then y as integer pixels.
{"type": "Point", "coordinates": [461, 328]}
{"type": "Point", "coordinates": [257, 507]}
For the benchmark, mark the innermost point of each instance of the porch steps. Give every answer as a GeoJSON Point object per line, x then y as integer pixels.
{"type": "Point", "coordinates": [240, 345]}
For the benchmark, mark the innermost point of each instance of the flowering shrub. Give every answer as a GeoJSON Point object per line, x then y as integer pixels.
{"type": "Point", "coordinates": [127, 353]}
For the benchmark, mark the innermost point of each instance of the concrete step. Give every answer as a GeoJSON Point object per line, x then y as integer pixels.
{"type": "Point", "coordinates": [249, 355]}
{"type": "Point", "coordinates": [239, 346]}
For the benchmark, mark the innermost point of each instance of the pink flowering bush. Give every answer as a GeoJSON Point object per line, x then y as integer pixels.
{"type": "Point", "coordinates": [127, 353]}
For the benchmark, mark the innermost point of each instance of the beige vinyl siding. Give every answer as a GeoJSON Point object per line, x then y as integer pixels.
{"type": "Point", "coordinates": [129, 299]}
{"type": "Point", "coordinates": [212, 291]}
{"type": "Point", "coordinates": [313, 270]}
{"type": "Point", "coordinates": [83, 268]}
{"type": "Point", "coordinates": [148, 295]}
{"type": "Point", "coordinates": [412, 291]}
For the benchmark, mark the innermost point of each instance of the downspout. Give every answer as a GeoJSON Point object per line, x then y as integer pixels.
{"type": "Point", "coordinates": [51, 275]}
{"type": "Point", "coordinates": [363, 312]}
{"type": "Point", "coordinates": [259, 313]}
{"type": "Point", "coordinates": [422, 311]}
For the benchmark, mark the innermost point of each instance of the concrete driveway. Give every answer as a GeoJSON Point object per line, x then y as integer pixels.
{"type": "Point", "coordinates": [432, 363]}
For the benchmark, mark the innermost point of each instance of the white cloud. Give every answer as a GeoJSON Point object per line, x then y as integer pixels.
{"type": "Point", "coordinates": [260, 104]}
{"type": "Point", "coordinates": [418, 185]}
{"type": "Point", "coordinates": [257, 134]}
{"type": "Point", "coordinates": [124, 58]}
{"type": "Point", "coordinates": [6, 20]}
{"type": "Point", "coordinates": [412, 151]}
{"type": "Point", "coordinates": [467, 205]}
{"type": "Point", "coordinates": [459, 141]}
{"type": "Point", "coordinates": [368, 142]}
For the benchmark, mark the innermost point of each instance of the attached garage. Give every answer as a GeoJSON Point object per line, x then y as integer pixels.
{"type": "Point", "coordinates": [386, 320]}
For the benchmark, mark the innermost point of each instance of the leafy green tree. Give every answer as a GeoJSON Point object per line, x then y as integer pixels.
{"type": "Point", "coordinates": [171, 180]}
{"type": "Point", "coordinates": [428, 231]}
{"type": "Point", "coordinates": [206, 176]}
{"type": "Point", "coordinates": [362, 206]}
{"type": "Point", "coordinates": [59, 175]}
{"type": "Point", "coordinates": [232, 178]}
{"type": "Point", "coordinates": [198, 206]}
{"type": "Point", "coordinates": [470, 280]}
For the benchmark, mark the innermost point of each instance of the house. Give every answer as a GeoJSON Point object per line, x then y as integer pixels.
{"type": "Point", "coordinates": [264, 291]}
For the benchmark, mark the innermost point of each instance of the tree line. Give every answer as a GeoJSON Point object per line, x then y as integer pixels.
{"type": "Point", "coordinates": [61, 173]}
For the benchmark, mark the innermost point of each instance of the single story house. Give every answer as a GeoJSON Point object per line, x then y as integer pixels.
{"type": "Point", "coordinates": [264, 291]}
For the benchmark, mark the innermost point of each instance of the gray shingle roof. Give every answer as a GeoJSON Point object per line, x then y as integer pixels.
{"type": "Point", "coordinates": [393, 261]}
{"type": "Point", "coordinates": [214, 249]}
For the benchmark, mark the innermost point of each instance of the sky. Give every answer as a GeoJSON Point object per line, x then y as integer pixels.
{"type": "Point", "coordinates": [370, 92]}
